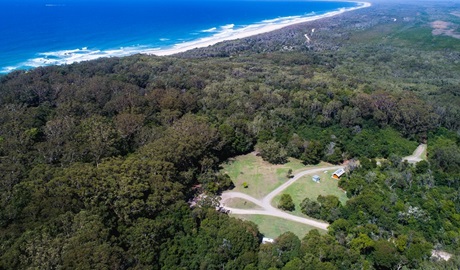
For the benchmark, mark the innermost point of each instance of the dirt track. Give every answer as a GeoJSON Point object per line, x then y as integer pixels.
{"type": "Point", "coordinates": [265, 203]}
{"type": "Point", "coordinates": [417, 155]}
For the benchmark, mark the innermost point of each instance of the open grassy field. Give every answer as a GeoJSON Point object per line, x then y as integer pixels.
{"type": "Point", "coordinates": [306, 187]}
{"type": "Point", "coordinates": [273, 227]}
{"type": "Point", "coordinates": [241, 204]}
{"type": "Point", "coordinates": [416, 31]}
{"type": "Point", "coordinates": [261, 177]}
{"type": "Point", "coordinates": [424, 155]}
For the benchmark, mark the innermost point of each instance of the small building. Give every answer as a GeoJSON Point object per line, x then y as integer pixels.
{"type": "Point", "coordinates": [316, 178]}
{"type": "Point", "coordinates": [337, 174]}
{"type": "Point", "coordinates": [266, 240]}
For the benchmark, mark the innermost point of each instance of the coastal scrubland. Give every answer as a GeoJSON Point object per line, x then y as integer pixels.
{"type": "Point", "coordinates": [101, 161]}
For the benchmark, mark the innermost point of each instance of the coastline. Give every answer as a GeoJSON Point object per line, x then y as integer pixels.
{"type": "Point", "coordinates": [218, 35]}
{"type": "Point", "coordinates": [248, 31]}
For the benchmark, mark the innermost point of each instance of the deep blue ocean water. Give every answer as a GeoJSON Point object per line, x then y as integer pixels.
{"type": "Point", "coordinates": [44, 32]}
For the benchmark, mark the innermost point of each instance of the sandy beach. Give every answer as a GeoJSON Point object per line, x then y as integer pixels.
{"type": "Point", "coordinates": [222, 33]}
{"type": "Point", "coordinates": [255, 29]}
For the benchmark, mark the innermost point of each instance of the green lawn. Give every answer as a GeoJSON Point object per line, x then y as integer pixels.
{"type": "Point", "coordinates": [262, 177]}
{"type": "Point", "coordinates": [273, 227]}
{"type": "Point", "coordinates": [306, 187]}
{"type": "Point", "coordinates": [241, 204]}
{"type": "Point", "coordinates": [425, 154]}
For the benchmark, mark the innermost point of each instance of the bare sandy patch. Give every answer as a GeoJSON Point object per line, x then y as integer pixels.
{"type": "Point", "coordinates": [440, 255]}
{"type": "Point", "coordinates": [440, 25]}
{"type": "Point", "coordinates": [444, 28]}
{"type": "Point", "coordinates": [456, 13]}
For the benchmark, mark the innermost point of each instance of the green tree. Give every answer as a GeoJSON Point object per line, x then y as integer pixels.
{"type": "Point", "coordinates": [414, 117]}
{"type": "Point", "coordinates": [98, 137]}
{"type": "Point", "coordinates": [88, 244]}
{"type": "Point", "coordinates": [272, 151]}
{"type": "Point", "coordinates": [295, 146]}
{"type": "Point", "coordinates": [286, 203]}
{"type": "Point", "coordinates": [331, 207]}
{"type": "Point", "coordinates": [447, 158]}
{"type": "Point", "coordinates": [422, 166]}
{"type": "Point", "coordinates": [294, 264]}
{"type": "Point", "coordinates": [310, 208]}
{"type": "Point", "coordinates": [367, 164]}
{"type": "Point", "coordinates": [385, 255]}
{"type": "Point", "coordinates": [363, 243]}
{"type": "Point", "coordinates": [128, 125]}
{"type": "Point", "coordinates": [313, 153]}
{"type": "Point", "coordinates": [267, 256]}
{"type": "Point", "coordinates": [288, 247]}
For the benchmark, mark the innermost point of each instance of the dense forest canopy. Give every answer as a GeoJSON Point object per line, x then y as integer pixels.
{"type": "Point", "coordinates": [98, 160]}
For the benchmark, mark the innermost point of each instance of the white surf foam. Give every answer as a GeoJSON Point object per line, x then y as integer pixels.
{"type": "Point", "coordinates": [210, 30]}
{"type": "Point", "coordinates": [8, 69]}
{"type": "Point", "coordinates": [229, 32]}
{"type": "Point", "coordinates": [223, 33]}
{"type": "Point", "coordinates": [228, 26]}
{"type": "Point", "coordinates": [280, 19]}
{"type": "Point", "coordinates": [64, 57]}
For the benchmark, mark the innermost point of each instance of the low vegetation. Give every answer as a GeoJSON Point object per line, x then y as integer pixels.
{"type": "Point", "coordinates": [286, 203]}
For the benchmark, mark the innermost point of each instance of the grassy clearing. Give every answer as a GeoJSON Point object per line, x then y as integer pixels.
{"type": "Point", "coordinates": [261, 177]}
{"type": "Point", "coordinates": [305, 187]}
{"type": "Point", "coordinates": [241, 204]}
{"type": "Point", "coordinates": [415, 33]}
{"type": "Point", "coordinates": [423, 38]}
{"type": "Point", "coordinates": [424, 155]}
{"type": "Point", "coordinates": [273, 227]}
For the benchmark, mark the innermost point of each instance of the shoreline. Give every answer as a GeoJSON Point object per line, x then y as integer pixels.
{"type": "Point", "coordinates": [226, 33]}
{"type": "Point", "coordinates": [248, 31]}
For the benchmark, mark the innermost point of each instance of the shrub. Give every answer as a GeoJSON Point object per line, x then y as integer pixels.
{"type": "Point", "coordinates": [286, 203]}
{"type": "Point", "coordinates": [273, 152]}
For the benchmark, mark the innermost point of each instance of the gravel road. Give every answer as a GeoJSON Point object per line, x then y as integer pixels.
{"type": "Point", "coordinates": [265, 203]}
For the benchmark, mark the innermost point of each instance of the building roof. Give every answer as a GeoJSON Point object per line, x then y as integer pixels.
{"type": "Point", "coordinates": [267, 240]}
{"type": "Point", "coordinates": [339, 172]}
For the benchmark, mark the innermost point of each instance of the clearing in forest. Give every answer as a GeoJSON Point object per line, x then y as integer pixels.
{"type": "Point", "coordinates": [306, 187]}
{"type": "Point", "coordinates": [266, 181]}
{"type": "Point", "coordinates": [241, 204]}
{"type": "Point", "coordinates": [272, 227]}
{"type": "Point", "coordinates": [261, 177]}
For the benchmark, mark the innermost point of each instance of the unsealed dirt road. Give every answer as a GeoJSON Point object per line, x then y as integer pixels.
{"type": "Point", "coordinates": [265, 203]}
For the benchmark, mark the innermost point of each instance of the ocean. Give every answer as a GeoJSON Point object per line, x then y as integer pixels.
{"type": "Point", "coordinates": [53, 32]}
